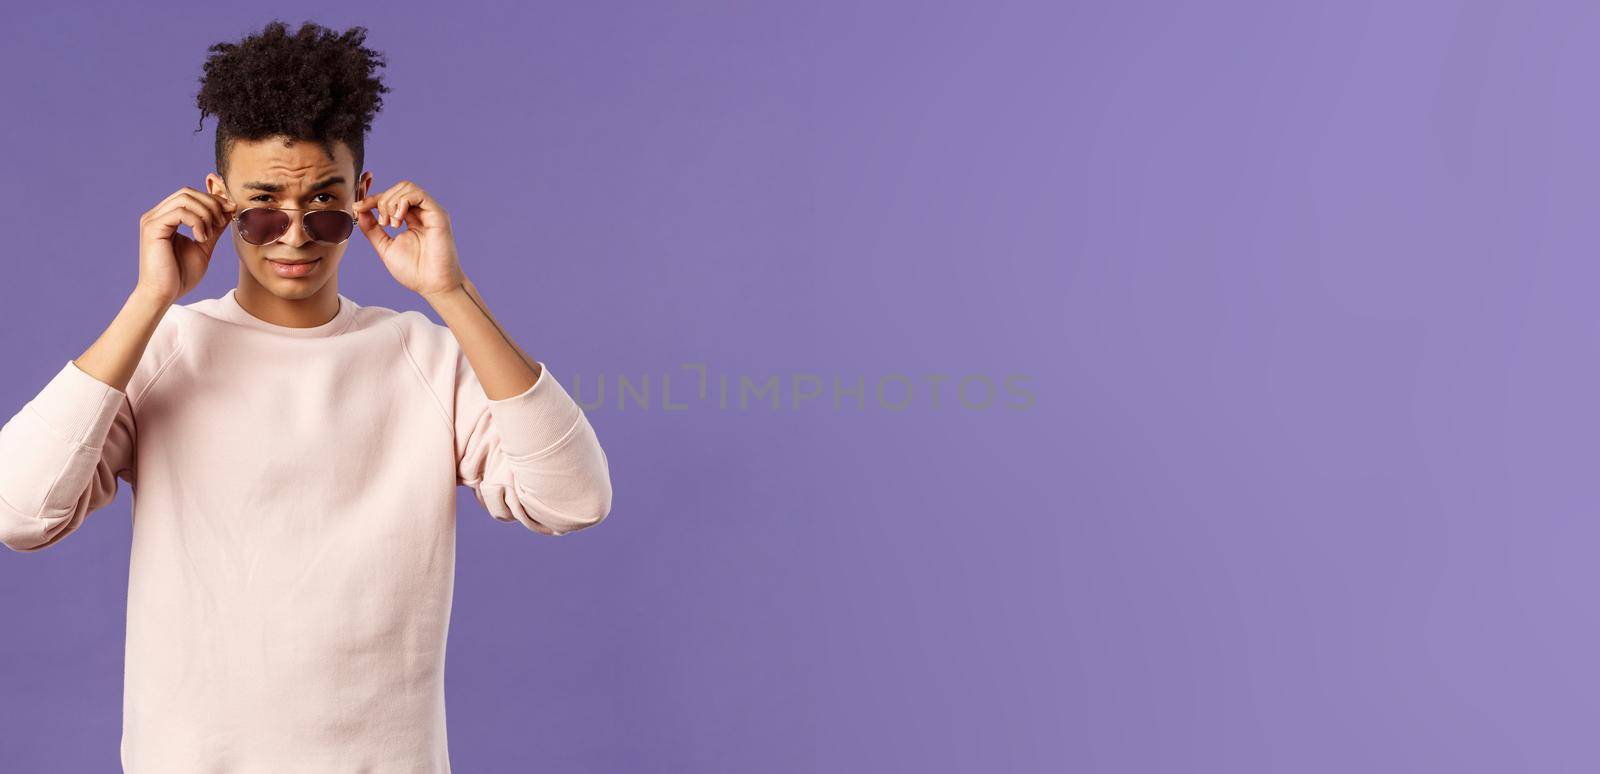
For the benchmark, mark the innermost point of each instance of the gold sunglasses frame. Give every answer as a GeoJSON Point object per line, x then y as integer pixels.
{"type": "Point", "coordinates": [355, 223]}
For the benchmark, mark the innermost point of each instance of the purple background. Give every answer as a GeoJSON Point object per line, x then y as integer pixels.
{"type": "Point", "coordinates": [1303, 293]}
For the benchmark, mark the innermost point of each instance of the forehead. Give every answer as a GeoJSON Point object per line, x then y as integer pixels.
{"type": "Point", "coordinates": [293, 164]}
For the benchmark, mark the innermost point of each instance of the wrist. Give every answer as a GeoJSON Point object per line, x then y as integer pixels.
{"type": "Point", "coordinates": [443, 296]}
{"type": "Point", "coordinates": [148, 300]}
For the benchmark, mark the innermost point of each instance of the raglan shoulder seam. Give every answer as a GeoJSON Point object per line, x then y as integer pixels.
{"type": "Point", "coordinates": [181, 338]}
{"type": "Point", "coordinates": [444, 412]}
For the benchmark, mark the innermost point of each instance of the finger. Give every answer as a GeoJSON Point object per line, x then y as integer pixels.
{"type": "Point", "coordinates": [198, 220]}
{"type": "Point", "coordinates": [203, 199]}
{"type": "Point", "coordinates": [203, 225]}
{"type": "Point", "coordinates": [419, 208]}
{"type": "Point", "coordinates": [374, 201]}
{"type": "Point", "coordinates": [229, 210]}
{"type": "Point", "coordinates": [185, 193]}
{"type": "Point", "coordinates": [394, 201]}
{"type": "Point", "coordinates": [175, 194]}
{"type": "Point", "coordinates": [211, 205]}
{"type": "Point", "coordinates": [363, 206]}
{"type": "Point", "coordinates": [386, 205]}
{"type": "Point", "coordinates": [161, 206]}
{"type": "Point", "coordinates": [413, 218]}
{"type": "Point", "coordinates": [225, 207]}
{"type": "Point", "coordinates": [368, 223]}
{"type": "Point", "coordinates": [215, 235]}
{"type": "Point", "coordinates": [179, 211]}
{"type": "Point", "coordinates": [370, 200]}
{"type": "Point", "coordinates": [375, 204]}
{"type": "Point", "coordinates": [382, 214]}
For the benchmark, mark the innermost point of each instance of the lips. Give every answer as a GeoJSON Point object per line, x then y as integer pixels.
{"type": "Point", "coordinates": [295, 269]}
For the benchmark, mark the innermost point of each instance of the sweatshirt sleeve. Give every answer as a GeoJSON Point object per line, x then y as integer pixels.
{"type": "Point", "coordinates": [60, 457]}
{"type": "Point", "coordinates": [531, 458]}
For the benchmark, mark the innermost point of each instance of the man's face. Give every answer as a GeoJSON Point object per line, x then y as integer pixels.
{"type": "Point", "coordinates": [278, 172]}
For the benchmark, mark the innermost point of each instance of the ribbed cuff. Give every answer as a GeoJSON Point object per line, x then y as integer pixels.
{"type": "Point", "coordinates": [537, 419]}
{"type": "Point", "coordinates": [77, 406]}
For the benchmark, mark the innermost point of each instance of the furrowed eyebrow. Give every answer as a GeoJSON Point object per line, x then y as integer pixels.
{"type": "Point", "coordinates": [278, 187]}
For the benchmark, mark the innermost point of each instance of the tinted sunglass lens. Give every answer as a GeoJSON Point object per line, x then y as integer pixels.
{"type": "Point", "coordinates": [329, 226]}
{"type": "Point", "coordinates": [260, 226]}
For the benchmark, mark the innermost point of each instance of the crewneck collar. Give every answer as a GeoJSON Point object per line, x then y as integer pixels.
{"type": "Point", "coordinates": [231, 310]}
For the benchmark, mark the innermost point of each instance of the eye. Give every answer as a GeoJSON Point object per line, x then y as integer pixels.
{"type": "Point", "coordinates": [268, 197]}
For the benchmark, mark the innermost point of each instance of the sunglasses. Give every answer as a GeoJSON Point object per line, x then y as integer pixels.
{"type": "Point", "coordinates": [265, 225]}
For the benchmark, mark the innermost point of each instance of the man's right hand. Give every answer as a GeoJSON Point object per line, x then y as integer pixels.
{"type": "Point", "coordinates": [171, 264]}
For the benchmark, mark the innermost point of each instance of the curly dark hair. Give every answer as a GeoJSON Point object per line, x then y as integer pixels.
{"type": "Point", "coordinates": [313, 84]}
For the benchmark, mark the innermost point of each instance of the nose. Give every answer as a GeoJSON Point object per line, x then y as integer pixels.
{"type": "Point", "coordinates": [296, 236]}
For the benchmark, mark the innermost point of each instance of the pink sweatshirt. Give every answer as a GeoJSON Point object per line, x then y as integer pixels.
{"type": "Point", "coordinates": [293, 553]}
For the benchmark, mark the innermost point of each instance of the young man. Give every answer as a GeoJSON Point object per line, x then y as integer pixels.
{"type": "Point", "coordinates": [294, 455]}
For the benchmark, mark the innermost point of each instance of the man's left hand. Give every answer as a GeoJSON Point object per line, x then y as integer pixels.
{"type": "Point", "coordinates": [422, 257]}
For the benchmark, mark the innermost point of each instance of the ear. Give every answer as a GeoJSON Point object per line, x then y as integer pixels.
{"type": "Point", "coordinates": [363, 185]}
{"type": "Point", "coordinates": [216, 186]}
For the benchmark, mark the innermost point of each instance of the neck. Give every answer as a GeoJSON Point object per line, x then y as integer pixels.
{"type": "Point", "coordinates": [315, 308]}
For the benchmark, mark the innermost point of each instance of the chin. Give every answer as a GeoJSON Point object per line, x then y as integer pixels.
{"type": "Point", "coordinates": [289, 288]}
